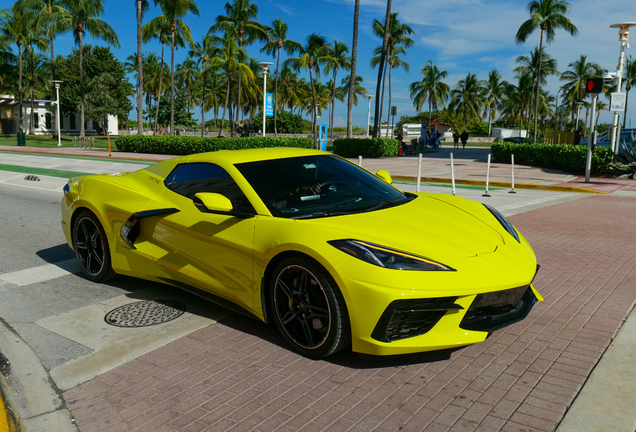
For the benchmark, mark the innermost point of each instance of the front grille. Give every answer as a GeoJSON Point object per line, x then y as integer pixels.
{"type": "Point", "coordinates": [408, 318]}
{"type": "Point", "coordinates": [492, 311]}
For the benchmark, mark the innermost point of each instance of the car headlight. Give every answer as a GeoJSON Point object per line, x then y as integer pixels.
{"type": "Point", "coordinates": [387, 257]}
{"type": "Point", "coordinates": [504, 222]}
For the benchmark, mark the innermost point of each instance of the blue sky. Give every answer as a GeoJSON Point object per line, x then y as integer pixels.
{"type": "Point", "coordinates": [458, 35]}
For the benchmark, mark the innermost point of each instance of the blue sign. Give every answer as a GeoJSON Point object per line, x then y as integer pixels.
{"type": "Point", "coordinates": [269, 104]}
{"type": "Point", "coordinates": [322, 136]}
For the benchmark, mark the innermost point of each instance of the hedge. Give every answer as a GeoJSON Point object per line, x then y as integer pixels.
{"type": "Point", "coordinates": [568, 158]}
{"type": "Point", "coordinates": [368, 147]}
{"type": "Point", "coordinates": [178, 145]}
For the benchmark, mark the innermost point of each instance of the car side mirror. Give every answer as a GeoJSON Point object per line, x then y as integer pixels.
{"type": "Point", "coordinates": [384, 175]}
{"type": "Point", "coordinates": [212, 203]}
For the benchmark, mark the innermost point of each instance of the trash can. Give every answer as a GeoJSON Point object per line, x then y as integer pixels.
{"type": "Point", "coordinates": [21, 139]}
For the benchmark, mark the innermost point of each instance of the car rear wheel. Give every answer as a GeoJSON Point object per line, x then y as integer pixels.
{"type": "Point", "coordinates": [308, 308]}
{"type": "Point", "coordinates": [91, 247]}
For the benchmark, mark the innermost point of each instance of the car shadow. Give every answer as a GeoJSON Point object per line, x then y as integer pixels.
{"type": "Point", "coordinates": [55, 254]}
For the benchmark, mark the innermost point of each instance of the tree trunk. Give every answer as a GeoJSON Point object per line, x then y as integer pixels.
{"type": "Point", "coordinates": [57, 130]}
{"type": "Point", "coordinates": [352, 76]}
{"type": "Point", "coordinates": [158, 95]}
{"type": "Point", "coordinates": [227, 96]}
{"type": "Point", "coordinates": [536, 106]}
{"type": "Point", "coordinates": [388, 119]}
{"type": "Point", "coordinates": [333, 100]}
{"type": "Point", "coordinates": [20, 127]}
{"type": "Point", "coordinates": [386, 66]}
{"type": "Point", "coordinates": [313, 94]}
{"type": "Point", "coordinates": [276, 93]}
{"type": "Point", "coordinates": [490, 121]}
{"type": "Point", "coordinates": [385, 47]}
{"type": "Point", "coordinates": [140, 75]}
{"type": "Point", "coordinates": [202, 107]}
{"type": "Point", "coordinates": [238, 108]}
{"type": "Point", "coordinates": [172, 86]}
{"type": "Point", "coordinates": [627, 89]}
{"type": "Point", "coordinates": [32, 116]}
{"type": "Point", "coordinates": [430, 113]}
{"type": "Point", "coordinates": [81, 68]}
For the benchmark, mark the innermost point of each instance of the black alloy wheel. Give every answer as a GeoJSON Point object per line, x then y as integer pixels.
{"type": "Point", "coordinates": [308, 308]}
{"type": "Point", "coordinates": [91, 247]}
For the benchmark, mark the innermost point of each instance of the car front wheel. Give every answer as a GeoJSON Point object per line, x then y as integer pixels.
{"type": "Point", "coordinates": [309, 309]}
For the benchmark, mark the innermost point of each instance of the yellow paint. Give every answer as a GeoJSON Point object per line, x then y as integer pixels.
{"type": "Point", "coordinates": [228, 256]}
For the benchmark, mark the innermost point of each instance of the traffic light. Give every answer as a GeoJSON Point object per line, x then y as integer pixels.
{"type": "Point", "coordinates": [594, 85]}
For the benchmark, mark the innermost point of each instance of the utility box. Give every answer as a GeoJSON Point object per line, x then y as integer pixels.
{"type": "Point", "coordinates": [322, 136]}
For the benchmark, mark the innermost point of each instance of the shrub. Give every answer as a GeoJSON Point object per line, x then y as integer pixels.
{"type": "Point", "coordinates": [368, 147]}
{"type": "Point", "coordinates": [178, 145]}
{"type": "Point", "coordinates": [286, 123]}
{"type": "Point", "coordinates": [569, 158]}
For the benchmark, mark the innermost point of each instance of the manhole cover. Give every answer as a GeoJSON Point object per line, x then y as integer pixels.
{"type": "Point", "coordinates": [145, 313]}
{"type": "Point", "coordinates": [32, 178]}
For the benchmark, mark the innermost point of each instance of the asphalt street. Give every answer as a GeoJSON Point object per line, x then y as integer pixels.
{"type": "Point", "coordinates": [49, 310]}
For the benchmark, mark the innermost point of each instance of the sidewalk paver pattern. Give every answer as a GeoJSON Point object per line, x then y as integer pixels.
{"type": "Point", "coordinates": [237, 374]}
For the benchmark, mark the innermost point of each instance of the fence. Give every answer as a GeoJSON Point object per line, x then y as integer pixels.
{"type": "Point", "coordinates": [562, 137]}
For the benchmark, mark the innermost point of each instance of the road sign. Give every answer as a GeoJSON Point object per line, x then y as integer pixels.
{"type": "Point", "coordinates": [594, 85]}
{"type": "Point", "coordinates": [617, 102]}
{"type": "Point", "coordinates": [269, 105]}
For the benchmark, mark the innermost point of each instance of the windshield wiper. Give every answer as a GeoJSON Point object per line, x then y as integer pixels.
{"type": "Point", "coordinates": [320, 215]}
{"type": "Point", "coordinates": [386, 204]}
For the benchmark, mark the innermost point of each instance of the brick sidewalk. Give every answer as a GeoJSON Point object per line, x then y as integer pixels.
{"type": "Point", "coordinates": [237, 375]}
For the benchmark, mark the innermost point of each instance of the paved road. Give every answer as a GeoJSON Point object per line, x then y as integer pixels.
{"type": "Point", "coordinates": [212, 369]}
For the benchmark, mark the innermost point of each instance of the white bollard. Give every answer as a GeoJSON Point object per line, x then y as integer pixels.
{"type": "Point", "coordinates": [419, 172]}
{"type": "Point", "coordinates": [359, 160]}
{"type": "Point", "coordinates": [486, 194]}
{"type": "Point", "coordinates": [512, 162]}
{"type": "Point", "coordinates": [452, 173]}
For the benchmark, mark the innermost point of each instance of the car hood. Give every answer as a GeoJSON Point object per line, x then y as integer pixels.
{"type": "Point", "coordinates": [425, 226]}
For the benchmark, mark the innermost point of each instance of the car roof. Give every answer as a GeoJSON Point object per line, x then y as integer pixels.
{"type": "Point", "coordinates": [249, 155]}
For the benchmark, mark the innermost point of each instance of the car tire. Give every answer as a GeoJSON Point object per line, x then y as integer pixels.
{"type": "Point", "coordinates": [308, 307]}
{"type": "Point", "coordinates": [91, 247]}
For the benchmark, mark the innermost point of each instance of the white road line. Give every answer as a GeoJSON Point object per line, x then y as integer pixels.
{"type": "Point", "coordinates": [41, 273]}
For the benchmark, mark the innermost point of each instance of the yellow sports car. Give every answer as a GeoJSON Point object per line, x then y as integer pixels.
{"type": "Point", "coordinates": [332, 254]}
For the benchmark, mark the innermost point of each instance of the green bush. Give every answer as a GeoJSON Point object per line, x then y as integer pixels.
{"type": "Point", "coordinates": [286, 123]}
{"type": "Point", "coordinates": [178, 145]}
{"type": "Point", "coordinates": [568, 158]}
{"type": "Point", "coordinates": [366, 147]}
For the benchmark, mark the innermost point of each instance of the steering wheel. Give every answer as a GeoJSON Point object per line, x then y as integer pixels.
{"type": "Point", "coordinates": [327, 187]}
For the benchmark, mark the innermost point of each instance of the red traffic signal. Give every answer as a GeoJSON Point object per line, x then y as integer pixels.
{"type": "Point", "coordinates": [594, 85]}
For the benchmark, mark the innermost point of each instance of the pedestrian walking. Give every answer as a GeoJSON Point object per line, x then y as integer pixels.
{"type": "Point", "coordinates": [456, 139]}
{"type": "Point", "coordinates": [464, 138]}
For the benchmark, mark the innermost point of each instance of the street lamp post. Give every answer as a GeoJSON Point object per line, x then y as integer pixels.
{"type": "Point", "coordinates": [565, 91]}
{"type": "Point", "coordinates": [369, 115]}
{"type": "Point", "coordinates": [265, 69]}
{"type": "Point", "coordinates": [623, 37]}
{"type": "Point", "coordinates": [57, 115]}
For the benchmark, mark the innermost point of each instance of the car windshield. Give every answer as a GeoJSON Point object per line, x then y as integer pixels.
{"type": "Point", "coordinates": [318, 186]}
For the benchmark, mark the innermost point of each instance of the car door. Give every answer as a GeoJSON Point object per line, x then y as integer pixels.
{"type": "Point", "coordinates": [212, 252]}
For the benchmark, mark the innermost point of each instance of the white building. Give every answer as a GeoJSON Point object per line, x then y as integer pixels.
{"type": "Point", "coordinates": [44, 118]}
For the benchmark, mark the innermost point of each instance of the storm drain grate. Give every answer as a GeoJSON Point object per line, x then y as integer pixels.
{"type": "Point", "coordinates": [32, 177]}
{"type": "Point", "coordinates": [145, 313]}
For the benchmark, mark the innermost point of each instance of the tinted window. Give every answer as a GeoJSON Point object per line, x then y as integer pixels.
{"type": "Point", "coordinates": [190, 179]}
{"type": "Point", "coordinates": [318, 186]}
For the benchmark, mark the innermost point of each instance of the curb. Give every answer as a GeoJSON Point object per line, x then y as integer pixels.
{"type": "Point", "coordinates": [552, 188]}
{"type": "Point", "coordinates": [13, 420]}
{"type": "Point", "coordinates": [97, 156]}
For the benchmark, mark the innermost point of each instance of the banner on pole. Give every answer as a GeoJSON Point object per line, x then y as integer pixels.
{"type": "Point", "coordinates": [617, 102]}
{"type": "Point", "coordinates": [269, 104]}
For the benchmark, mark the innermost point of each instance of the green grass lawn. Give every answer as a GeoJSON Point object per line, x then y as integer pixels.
{"type": "Point", "coordinates": [101, 142]}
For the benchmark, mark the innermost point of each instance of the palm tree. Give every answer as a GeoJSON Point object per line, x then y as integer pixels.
{"type": "Point", "coordinates": [431, 88]}
{"type": "Point", "coordinates": [467, 97]}
{"type": "Point", "coordinates": [278, 40]}
{"type": "Point", "coordinates": [7, 72]}
{"type": "Point", "coordinates": [37, 72]}
{"type": "Point", "coordinates": [187, 73]}
{"type": "Point", "coordinates": [17, 27]}
{"type": "Point", "coordinates": [530, 64]}
{"type": "Point", "coordinates": [548, 15]}
{"type": "Point", "coordinates": [576, 77]}
{"type": "Point", "coordinates": [158, 28]}
{"type": "Point", "coordinates": [338, 58]}
{"type": "Point", "coordinates": [173, 11]}
{"type": "Point", "coordinates": [157, 77]}
{"type": "Point", "coordinates": [354, 62]}
{"type": "Point", "coordinates": [204, 51]}
{"type": "Point", "coordinates": [385, 49]}
{"type": "Point", "coordinates": [232, 59]}
{"type": "Point", "coordinates": [83, 16]}
{"type": "Point", "coordinates": [240, 23]}
{"type": "Point", "coordinates": [399, 35]}
{"type": "Point", "coordinates": [141, 7]}
{"type": "Point", "coordinates": [393, 60]}
{"type": "Point", "coordinates": [495, 93]}
{"type": "Point", "coordinates": [629, 78]}
{"type": "Point", "coordinates": [207, 93]}
{"type": "Point", "coordinates": [358, 89]}
{"type": "Point", "coordinates": [312, 54]}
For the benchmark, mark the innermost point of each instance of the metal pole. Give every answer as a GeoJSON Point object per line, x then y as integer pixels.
{"type": "Point", "coordinates": [57, 116]}
{"type": "Point", "coordinates": [512, 162]}
{"type": "Point", "coordinates": [590, 142]}
{"type": "Point", "coordinates": [556, 118]}
{"type": "Point", "coordinates": [369, 117]}
{"type": "Point", "coordinates": [452, 173]}
{"type": "Point", "coordinates": [619, 83]}
{"type": "Point", "coordinates": [578, 111]}
{"type": "Point", "coordinates": [264, 96]}
{"type": "Point", "coordinates": [486, 194]}
{"type": "Point", "coordinates": [359, 160]}
{"type": "Point", "coordinates": [419, 172]}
